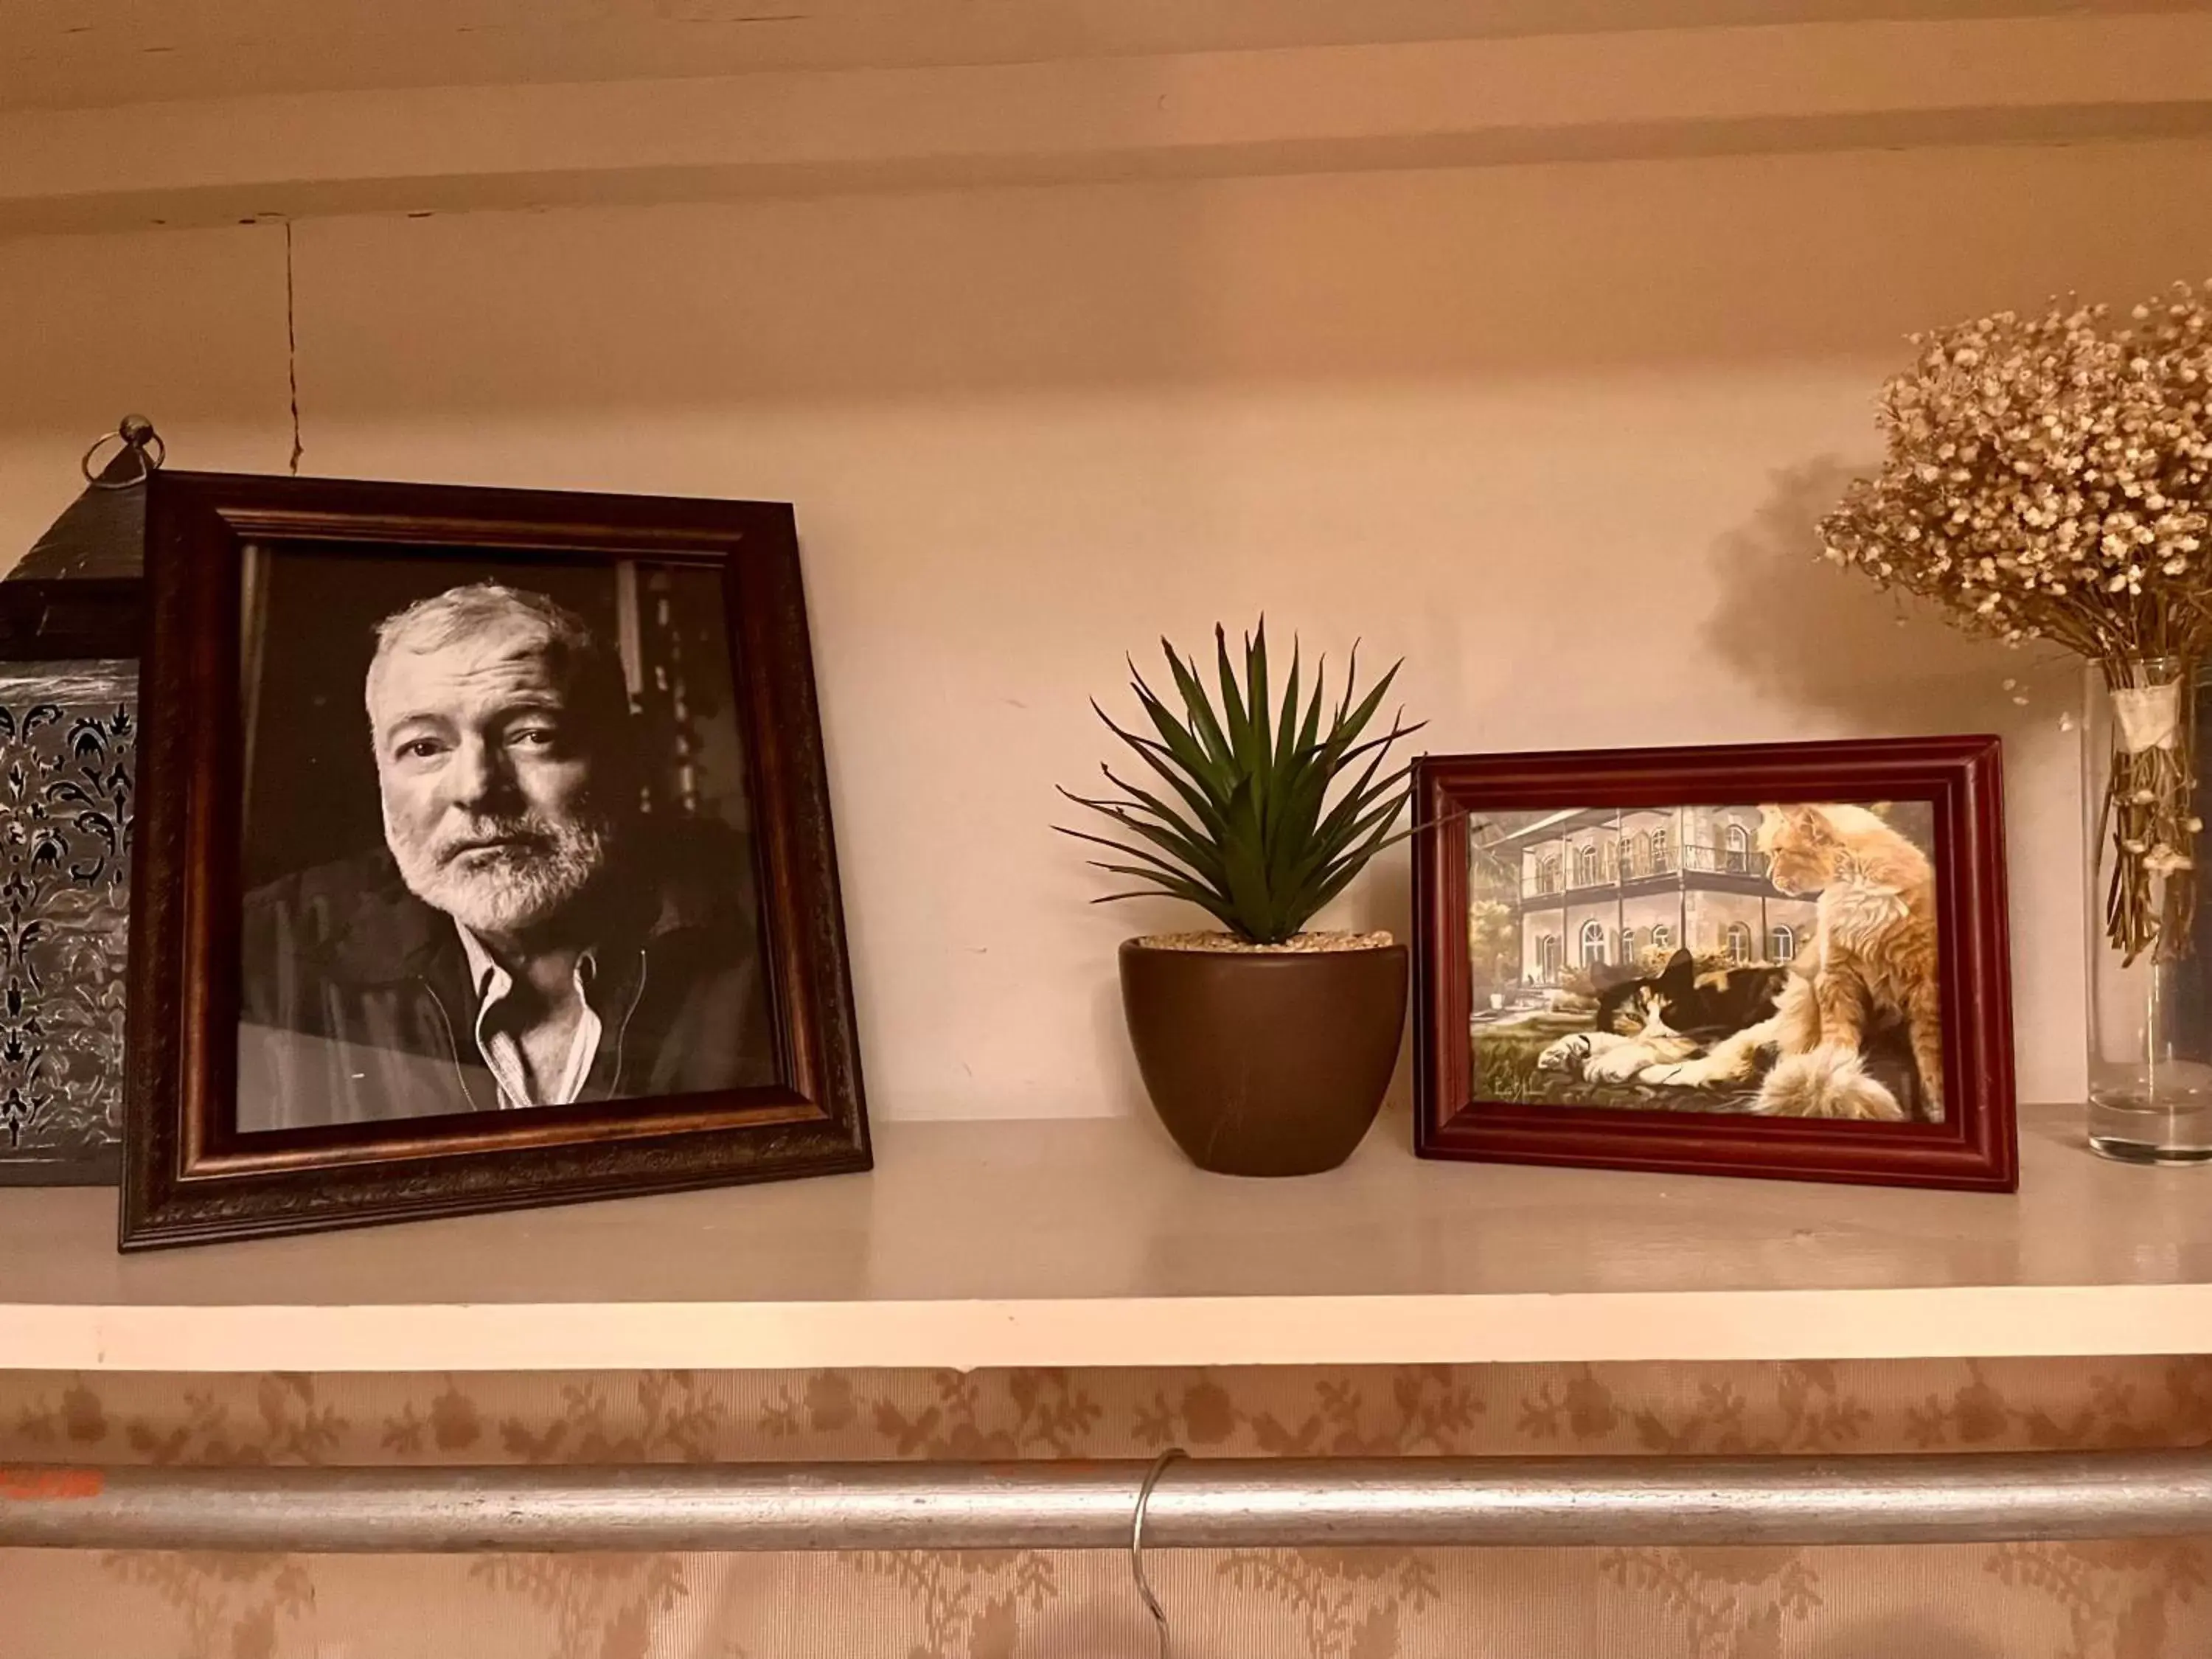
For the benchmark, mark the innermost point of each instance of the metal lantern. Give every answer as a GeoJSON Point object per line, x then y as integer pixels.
{"type": "Point", "coordinates": [70, 615]}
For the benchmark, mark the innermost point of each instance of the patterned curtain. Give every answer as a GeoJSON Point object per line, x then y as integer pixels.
{"type": "Point", "coordinates": [2133, 1601]}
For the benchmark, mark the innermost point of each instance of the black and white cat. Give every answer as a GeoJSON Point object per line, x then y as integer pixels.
{"type": "Point", "coordinates": [1679, 1026]}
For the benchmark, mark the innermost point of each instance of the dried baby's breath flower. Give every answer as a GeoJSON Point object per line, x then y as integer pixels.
{"type": "Point", "coordinates": [2049, 477]}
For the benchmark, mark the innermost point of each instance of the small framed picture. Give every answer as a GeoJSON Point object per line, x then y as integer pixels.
{"type": "Point", "coordinates": [1785, 960]}
{"type": "Point", "coordinates": [69, 739]}
{"type": "Point", "coordinates": [485, 859]}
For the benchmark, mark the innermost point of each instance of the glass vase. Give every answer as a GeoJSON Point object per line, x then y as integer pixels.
{"type": "Point", "coordinates": [2150, 1015]}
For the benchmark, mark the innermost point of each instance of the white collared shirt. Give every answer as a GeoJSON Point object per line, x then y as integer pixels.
{"type": "Point", "coordinates": [502, 1049]}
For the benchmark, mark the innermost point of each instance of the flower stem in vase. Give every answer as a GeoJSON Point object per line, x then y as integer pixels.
{"type": "Point", "coordinates": [2150, 998]}
{"type": "Point", "coordinates": [2150, 821]}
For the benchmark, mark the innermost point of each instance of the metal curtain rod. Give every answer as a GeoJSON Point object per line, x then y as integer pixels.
{"type": "Point", "coordinates": [1260, 1501]}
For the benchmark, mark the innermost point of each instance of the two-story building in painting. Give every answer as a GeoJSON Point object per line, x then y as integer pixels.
{"type": "Point", "coordinates": [1603, 885]}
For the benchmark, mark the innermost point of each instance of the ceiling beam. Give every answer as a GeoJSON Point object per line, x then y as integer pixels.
{"type": "Point", "coordinates": [1436, 104]}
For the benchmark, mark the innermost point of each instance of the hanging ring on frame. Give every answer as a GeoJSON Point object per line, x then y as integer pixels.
{"type": "Point", "coordinates": [1137, 1542]}
{"type": "Point", "coordinates": [137, 435]}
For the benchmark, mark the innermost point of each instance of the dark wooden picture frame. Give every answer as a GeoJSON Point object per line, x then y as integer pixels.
{"type": "Point", "coordinates": [1975, 1147]}
{"type": "Point", "coordinates": [77, 621]}
{"type": "Point", "coordinates": [189, 1177]}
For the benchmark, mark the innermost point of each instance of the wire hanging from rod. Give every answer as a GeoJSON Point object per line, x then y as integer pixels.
{"type": "Point", "coordinates": [1137, 1547]}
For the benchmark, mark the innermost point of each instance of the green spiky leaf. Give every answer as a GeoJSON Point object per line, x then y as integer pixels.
{"type": "Point", "coordinates": [1274, 803]}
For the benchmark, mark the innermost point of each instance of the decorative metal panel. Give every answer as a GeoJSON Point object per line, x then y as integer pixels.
{"type": "Point", "coordinates": [68, 735]}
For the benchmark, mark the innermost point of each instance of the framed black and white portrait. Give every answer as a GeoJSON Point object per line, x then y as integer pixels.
{"type": "Point", "coordinates": [484, 857]}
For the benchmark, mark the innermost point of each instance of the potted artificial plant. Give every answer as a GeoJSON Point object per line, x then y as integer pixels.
{"type": "Point", "coordinates": [1266, 1049]}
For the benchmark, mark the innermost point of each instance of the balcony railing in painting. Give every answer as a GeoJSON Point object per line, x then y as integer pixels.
{"type": "Point", "coordinates": [1564, 879]}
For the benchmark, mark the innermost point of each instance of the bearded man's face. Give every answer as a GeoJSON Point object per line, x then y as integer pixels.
{"type": "Point", "coordinates": [485, 770]}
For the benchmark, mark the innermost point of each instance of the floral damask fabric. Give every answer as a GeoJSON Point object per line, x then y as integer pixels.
{"type": "Point", "coordinates": [2134, 1601]}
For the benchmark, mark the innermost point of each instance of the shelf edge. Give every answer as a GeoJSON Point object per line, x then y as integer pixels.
{"type": "Point", "coordinates": [1904, 1323]}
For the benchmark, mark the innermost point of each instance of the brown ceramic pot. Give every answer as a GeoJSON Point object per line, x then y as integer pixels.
{"type": "Point", "coordinates": [1265, 1063]}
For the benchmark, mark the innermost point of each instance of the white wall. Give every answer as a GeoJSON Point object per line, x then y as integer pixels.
{"type": "Point", "coordinates": [1556, 435]}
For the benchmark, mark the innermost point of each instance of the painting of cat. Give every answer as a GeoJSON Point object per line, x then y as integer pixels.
{"type": "Point", "coordinates": [1767, 959]}
{"type": "Point", "coordinates": [1873, 962]}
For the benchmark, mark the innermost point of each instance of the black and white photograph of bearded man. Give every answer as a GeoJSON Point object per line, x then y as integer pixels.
{"type": "Point", "coordinates": [497, 842]}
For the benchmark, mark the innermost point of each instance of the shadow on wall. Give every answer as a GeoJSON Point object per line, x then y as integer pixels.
{"type": "Point", "coordinates": [1805, 635]}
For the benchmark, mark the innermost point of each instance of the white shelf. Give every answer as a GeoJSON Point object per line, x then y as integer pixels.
{"type": "Point", "coordinates": [1091, 1243]}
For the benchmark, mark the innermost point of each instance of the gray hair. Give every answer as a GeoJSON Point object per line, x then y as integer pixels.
{"type": "Point", "coordinates": [592, 673]}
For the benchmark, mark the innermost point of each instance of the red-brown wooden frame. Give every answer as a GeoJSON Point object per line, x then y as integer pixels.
{"type": "Point", "coordinates": [1975, 1147]}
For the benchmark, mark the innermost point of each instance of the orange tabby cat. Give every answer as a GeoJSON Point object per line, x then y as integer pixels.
{"type": "Point", "coordinates": [1874, 953]}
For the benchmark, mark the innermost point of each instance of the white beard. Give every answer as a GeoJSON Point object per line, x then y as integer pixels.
{"type": "Point", "coordinates": [507, 889]}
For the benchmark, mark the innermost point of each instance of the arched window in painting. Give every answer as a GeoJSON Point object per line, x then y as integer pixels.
{"type": "Point", "coordinates": [1781, 944]}
{"type": "Point", "coordinates": [1662, 860]}
{"type": "Point", "coordinates": [1547, 875]}
{"type": "Point", "coordinates": [1662, 938]}
{"type": "Point", "coordinates": [1586, 865]}
{"type": "Point", "coordinates": [1736, 850]}
{"type": "Point", "coordinates": [1628, 958]}
{"type": "Point", "coordinates": [1737, 937]}
{"type": "Point", "coordinates": [1640, 852]}
{"type": "Point", "coordinates": [1593, 944]}
{"type": "Point", "coordinates": [1547, 958]}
